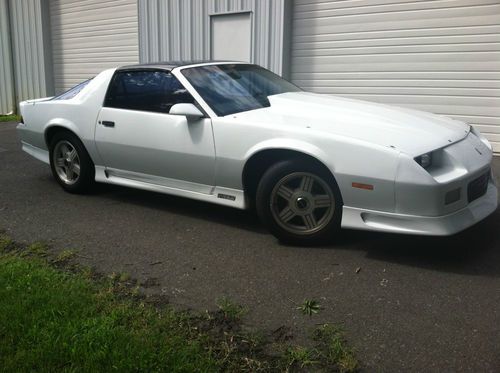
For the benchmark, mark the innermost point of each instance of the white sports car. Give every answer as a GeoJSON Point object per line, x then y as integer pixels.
{"type": "Point", "coordinates": [238, 135]}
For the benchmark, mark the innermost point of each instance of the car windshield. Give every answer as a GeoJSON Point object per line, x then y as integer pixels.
{"type": "Point", "coordinates": [234, 88]}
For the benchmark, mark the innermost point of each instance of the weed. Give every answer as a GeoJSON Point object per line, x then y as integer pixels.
{"type": "Point", "coordinates": [87, 272]}
{"type": "Point", "coordinates": [39, 249]}
{"type": "Point", "coordinates": [254, 340]}
{"type": "Point", "coordinates": [334, 348]}
{"type": "Point", "coordinates": [65, 256]}
{"type": "Point", "coordinates": [309, 307]}
{"type": "Point", "coordinates": [114, 276]}
{"type": "Point", "coordinates": [300, 357]}
{"type": "Point", "coordinates": [119, 277]}
{"type": "Point", "coordinates": [135, 291]}
{"type": "Point", "coordinates": [6, 243]}
{"type": "Point", "coordinates": [124, 277]}
{"type": "Point", "coordinates": [231, 310]}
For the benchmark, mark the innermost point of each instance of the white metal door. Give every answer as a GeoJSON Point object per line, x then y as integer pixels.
{"type": "Point", "coordinates": [441, 56]}
{"type": "Point", "coordinates": [157, 148]}
{"type": "Point", "coordinates": [231, 36]}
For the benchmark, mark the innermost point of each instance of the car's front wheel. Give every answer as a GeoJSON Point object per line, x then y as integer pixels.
{"type": "Point", "coordinates": [71, 165]}
{"type": "Point", "coordinates": [299, 202]}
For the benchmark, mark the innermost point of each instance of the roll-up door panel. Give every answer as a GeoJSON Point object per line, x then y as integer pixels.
{"type": "Point", "coordinates": [441, 56]}
{"type": "Point", "coordinates": [89, 36]}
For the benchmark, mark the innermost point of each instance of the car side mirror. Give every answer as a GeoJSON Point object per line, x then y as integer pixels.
{"type": "Point", "coordinates": [187, 110]}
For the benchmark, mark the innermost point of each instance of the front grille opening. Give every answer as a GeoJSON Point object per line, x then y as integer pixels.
{"type": "Point", "coordinates": [478, 187]}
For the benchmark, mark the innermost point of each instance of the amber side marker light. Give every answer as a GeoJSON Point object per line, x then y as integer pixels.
{"type": "Point", "coordinates": [362, 186]}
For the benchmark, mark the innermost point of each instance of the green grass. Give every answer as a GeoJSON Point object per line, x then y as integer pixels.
{"type": "Point", "coordinates": [334, 350]}
{"type": "Point", "coordinates": [231, 310]}
{"type": "Point", "coordinates": [50, 321]}
{"type": "Point", "coordinates": [300, 357]}
{"type": "Point", "coordinates": [56, 316]}
{"type": "Point", "coordinates": [330, 353]}
{"type": "Point", "coordinates": [10, 118]}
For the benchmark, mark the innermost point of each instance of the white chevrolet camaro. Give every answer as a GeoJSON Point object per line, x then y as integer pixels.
{"type": "Point", "coordinates": [238, 135]}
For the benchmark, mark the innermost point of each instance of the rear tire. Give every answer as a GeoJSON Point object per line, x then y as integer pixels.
{"type": "Point", "coordinates": [299, 202]}
{"type": "Point", "coordinates": [70, 163]}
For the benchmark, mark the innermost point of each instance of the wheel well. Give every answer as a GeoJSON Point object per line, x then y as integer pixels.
{"type": "Point", "coordinates": [51, 131]}
{"type": "Point", "coordinates": [260, 162]}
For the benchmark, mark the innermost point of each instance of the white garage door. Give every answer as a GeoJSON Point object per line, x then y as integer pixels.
{"type": "Point", "coordinates": [89, 36]}
{"type": "Point", "coordinates": [441, 56]}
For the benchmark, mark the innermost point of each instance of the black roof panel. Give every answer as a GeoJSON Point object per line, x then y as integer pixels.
{"type": "Point", "coordinates": [168, 65]}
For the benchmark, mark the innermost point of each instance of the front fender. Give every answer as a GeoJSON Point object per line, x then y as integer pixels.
{"type": "Point", "coordinates": [294, 145]}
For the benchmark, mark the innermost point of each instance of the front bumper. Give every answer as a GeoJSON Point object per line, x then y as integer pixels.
{"type": "Point", "coordinates": [444, 225]}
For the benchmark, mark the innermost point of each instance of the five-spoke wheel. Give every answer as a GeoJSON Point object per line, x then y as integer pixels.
{"type": "Point", "coordinates": [70, 163]}
{"type": "Point", "coordinates": [302, 203]}
{"type": "Point", "coordinates": [299, 201]}
{"type": "Point", "coordinates": [66, 161]}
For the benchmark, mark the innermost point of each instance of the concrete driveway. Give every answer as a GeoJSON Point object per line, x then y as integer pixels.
{"type": "Point", "coordinates": [417, 303]}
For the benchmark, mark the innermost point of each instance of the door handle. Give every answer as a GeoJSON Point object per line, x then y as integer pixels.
{"type": "Point", "coordinates": [107, 123]}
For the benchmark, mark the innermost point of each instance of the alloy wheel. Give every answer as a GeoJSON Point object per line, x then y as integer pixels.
{"type": "Point", "coordinates": [302, 203]}
{"type": "Point", "coordinates": [66, 162]}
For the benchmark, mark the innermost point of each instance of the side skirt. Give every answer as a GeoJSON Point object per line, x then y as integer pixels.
{"type": "Point", "coordinates": [40, 154]}
{"type": "Point", "coordinates": [218, 195]}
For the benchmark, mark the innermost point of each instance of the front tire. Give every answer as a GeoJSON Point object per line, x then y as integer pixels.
{"type": "Point", "coordinates": [299, 202]}
{"type": "Point", "coordinates": [70, 163]}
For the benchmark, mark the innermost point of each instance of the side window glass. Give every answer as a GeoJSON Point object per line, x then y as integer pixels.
{"type": "Point", "coordinates": [155, 91]}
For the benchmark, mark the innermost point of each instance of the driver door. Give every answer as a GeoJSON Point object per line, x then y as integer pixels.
{"type": "Point", "coordinates": [138, 139]}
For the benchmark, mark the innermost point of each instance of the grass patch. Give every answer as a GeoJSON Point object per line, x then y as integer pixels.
{"type": "Point", "coordinates": [300, 357]}
{"type": "Point", "coordinates": [40, 249]}
{"type": "Point", "coordinates": [330, 353]}
{"type": "Point", "coordinates": [333, 348]}
{"type": "Point", "coordinates": [65, 256]}
{"type": "Point", "coordinates": [10, 118]}
{"type": "Point", "coordinates": [56, 318]}
{"type": "Point", "coordinates": [51, 321]}
{"type": "Point", "coordinates": [232, 311]}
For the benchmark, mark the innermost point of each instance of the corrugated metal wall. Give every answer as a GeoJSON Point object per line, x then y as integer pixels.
{"type": "Point", "coordinates": [180, 29]}
{"type": "Point", "coordinates": [31, 58]}
{"type": "Point", "coordinates": [7, 104]}
{"type": "Point", "coordinates": [89, 36]}
{"type": "Point", "coordinates": [441, 56]}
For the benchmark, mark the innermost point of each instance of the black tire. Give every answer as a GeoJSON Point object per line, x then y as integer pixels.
{"type": "Point", "coordinates": [271, 205]}
{"type": "Point", "coordinates": [86, 178]}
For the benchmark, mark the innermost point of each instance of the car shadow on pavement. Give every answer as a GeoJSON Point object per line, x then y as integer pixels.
{"type": "Point", "coordinates": [184, 206]}
{"type": "Point", "coordinates": [475, 251]}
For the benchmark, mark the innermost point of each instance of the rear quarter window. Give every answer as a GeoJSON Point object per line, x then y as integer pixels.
{"type": "Point", "coordinates": [72, 92]}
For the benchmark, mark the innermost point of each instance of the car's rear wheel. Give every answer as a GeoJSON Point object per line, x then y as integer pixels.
{"type": "Point", "coordinates": [299, 202]}
{"type": "Point", "coordinates": [70, 163]}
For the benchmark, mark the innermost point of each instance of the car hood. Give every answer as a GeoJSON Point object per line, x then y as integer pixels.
{"type": "Point", "coordinates": [410, 131]}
